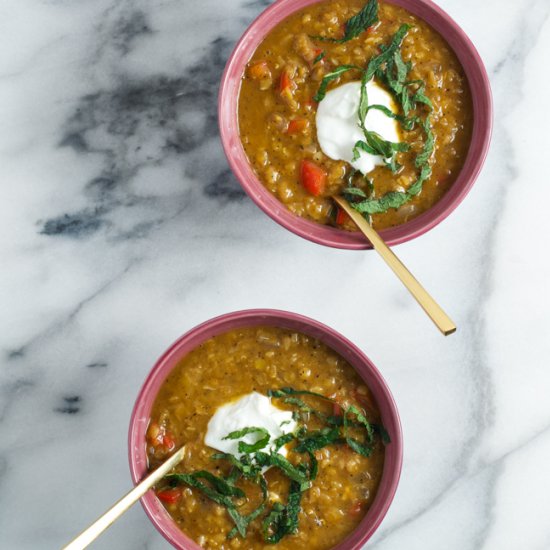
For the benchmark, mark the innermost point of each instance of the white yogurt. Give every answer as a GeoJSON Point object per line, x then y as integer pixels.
{"type": "Point", "coordinates": [338, 123]}
{"type": "Point", "coordinates": [251, 410]}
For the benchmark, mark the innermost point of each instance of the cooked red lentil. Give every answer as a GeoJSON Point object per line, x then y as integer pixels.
{"type": "Point", "coordinates": [277, 112]}
{"type": "Point", "coordinates": [261, 359]}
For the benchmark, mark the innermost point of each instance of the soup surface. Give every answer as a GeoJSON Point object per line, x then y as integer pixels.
{"type": "Point", "coordinates": [277, 113]}
{"type": "Point", "coordinates": [262, 359]}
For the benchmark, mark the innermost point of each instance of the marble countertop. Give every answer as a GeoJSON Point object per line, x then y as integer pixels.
{"type": "Point", "coordinates": [121, 228]}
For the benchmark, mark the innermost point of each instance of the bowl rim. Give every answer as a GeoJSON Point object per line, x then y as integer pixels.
{"type": "Point", "coordinates": [256, 317]}
{"type": "Point", "coordinates": [480, 87]}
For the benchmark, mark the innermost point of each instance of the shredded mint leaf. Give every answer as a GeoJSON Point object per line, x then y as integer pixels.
{"type": "Point", "coordinates": [366, 18]}
{"type": "Point", "coordinates": [319, 57]}
{"type": "Point", "coordinates": [291, 391]}
{"type": "Point", "coordinates": [218, 483]}
{"type": "Point", "coordinates": [243, 465]}
{"type": "Point", "coordinates": [362, 146]}
{"type": "Point", "coordinates": [283, 520]}
{"type": "Point", "coordinates": [402, 69]}
{"type": "Point", "coordinates": [298, 402]}
{"type": "Point", "coordinates": [318, 439]}
{"type": "Point", "coordinates": [255, 513]}
{"type": "Point", "coordinates": [416, 187]}
{"type": "Point", "coordinates": [282, 440]}
{"type": "Point", "coordinates": [360, 448]}
{"type": "Point", "coordinates": [406, 123]}
{"type": "Point", "coordinates": [387, 52]}
{"type": "Point", "coordinates": [313, 466]}
{"type": "Point", "coordinates": [329, 77]}
{"type": "Point", "coordinates": [193, 481]}
{"type": "Point", "coordinates": [245, 431]}
{"type": "Point", "coordinates": [305, 408]}
{"type": "Point", "coordinates": [362, 419]}
{"type": "Point", "coordinates": [355, 192]}
{"type": "Point", "coordinates": [393, 199]}
{"type": "Point", "coordinates": [363, 101]}
{"type": "Point", "coordinates": [419, 97]}
{"type": "Point", "coordinates": [278, 460]}
{"type": "Point", "coordinates": [272, 525]}
{"type": "Point", "coordinates": [253, 447]}
{"type": "Point", "coordinates": [428, 147]}
{"type": "Point", "coordinates": [250, 447]}
{"type": "Point", "coordinates": [392, 70]}
{"type": "Point", "coordinates": [355, 25]}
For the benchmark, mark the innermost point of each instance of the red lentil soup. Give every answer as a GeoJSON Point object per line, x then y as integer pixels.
{"type": "Point", "coordinates": [277, 113]}
{"type": "Point", "coordinates": [262, 359]}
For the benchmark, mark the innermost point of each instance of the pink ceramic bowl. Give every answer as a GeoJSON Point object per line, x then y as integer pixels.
{"type": "Point", "coordinates": [330, 236]}
{"type": "Point", "coordinates": [370, 374]}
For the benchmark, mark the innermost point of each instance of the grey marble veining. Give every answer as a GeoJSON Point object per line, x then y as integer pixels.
{"type": "Point", "coordinates": [121, 228]}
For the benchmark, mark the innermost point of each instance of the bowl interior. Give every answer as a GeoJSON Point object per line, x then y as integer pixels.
{"type": "Point", "coordinates": [330, 236]}
{"type": "Point", "coordinates": [370, 374]}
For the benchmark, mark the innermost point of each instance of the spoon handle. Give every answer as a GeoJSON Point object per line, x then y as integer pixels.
{"type": "Point", "coordinates": [428, 304]}
{"type": "Point", "coordinates": [93, 531]}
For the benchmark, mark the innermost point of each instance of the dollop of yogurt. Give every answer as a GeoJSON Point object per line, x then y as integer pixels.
{"type": "Point", "coordinates": [338, 123]}
{"type": "Point", "coordinates": [251, 410]}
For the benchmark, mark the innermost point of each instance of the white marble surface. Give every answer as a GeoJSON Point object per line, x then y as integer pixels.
{"type": "Point", "coordinates": [121, 228]}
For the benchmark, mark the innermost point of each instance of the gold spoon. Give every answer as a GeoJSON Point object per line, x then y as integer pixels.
{"type": "Point", "coordinates": [428, 304]}
{"type": "Point", "coordinates": [110, 516]}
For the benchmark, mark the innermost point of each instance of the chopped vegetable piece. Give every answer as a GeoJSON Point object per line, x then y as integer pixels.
{"type": "Point", "coordinates": [259, 70]}
{"type": "Point", "coordinates": [342, 217]}
{"type": "Point", "coordinates": [297, 126]}
{"type": "Point", "coordinates": [170, 496]}
{"type": "Point", "coordinates": [154, 434]}
{"type": "Point", "coordinates": [168, 442]}
{"type": "Point", "coordinates": [286, 83]}
{"type": "Point", "coordinates": [313, 178]}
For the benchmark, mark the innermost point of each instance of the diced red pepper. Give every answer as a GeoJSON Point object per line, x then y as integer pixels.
{"type": "Point", "coordinates": [170, 496]}
{"type": "Point", "coordinates": [168, 442]}
{"type": "Point", "coordinates": [159, 437]}
{"type": "Point", "coordinates": [155, 434]}
{"type": "Point", "coordinates": [297, 126]}
{"type": "Point", "coordinates": [342, 217]}
{"type": "Point", "coordinates": [259, 70]}
{"type": "Point", "coordinates": [313, 177]}
{"type": "Point", "coordinates": [286, 83]}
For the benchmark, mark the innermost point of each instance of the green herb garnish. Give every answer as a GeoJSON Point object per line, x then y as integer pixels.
{"type": "Point", "coordinates": [281, 392]}
{"type": "Point", "coordinates": [250, 447]}
{"type": "Point", "coordinates": [365, 448]}
{"type": "Point", "coordinates": [281, 519]}
{"type": "Point", "coordinates": [278, 460]}
{"type": "Point", "coordinates": [318, 439]}
{"type": "Point", "coordinates": [193, 480]}
{"type": "Point", "coordinates": [321, 92]}
{"type": "Point", "coordinates": [255, 513]}
{"type": "Point", "coordinates": [390, 68]}
{"type": "Point", "coordinates": [355, 25]}
{"type": "Point", "coordinates": [318, 58]}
